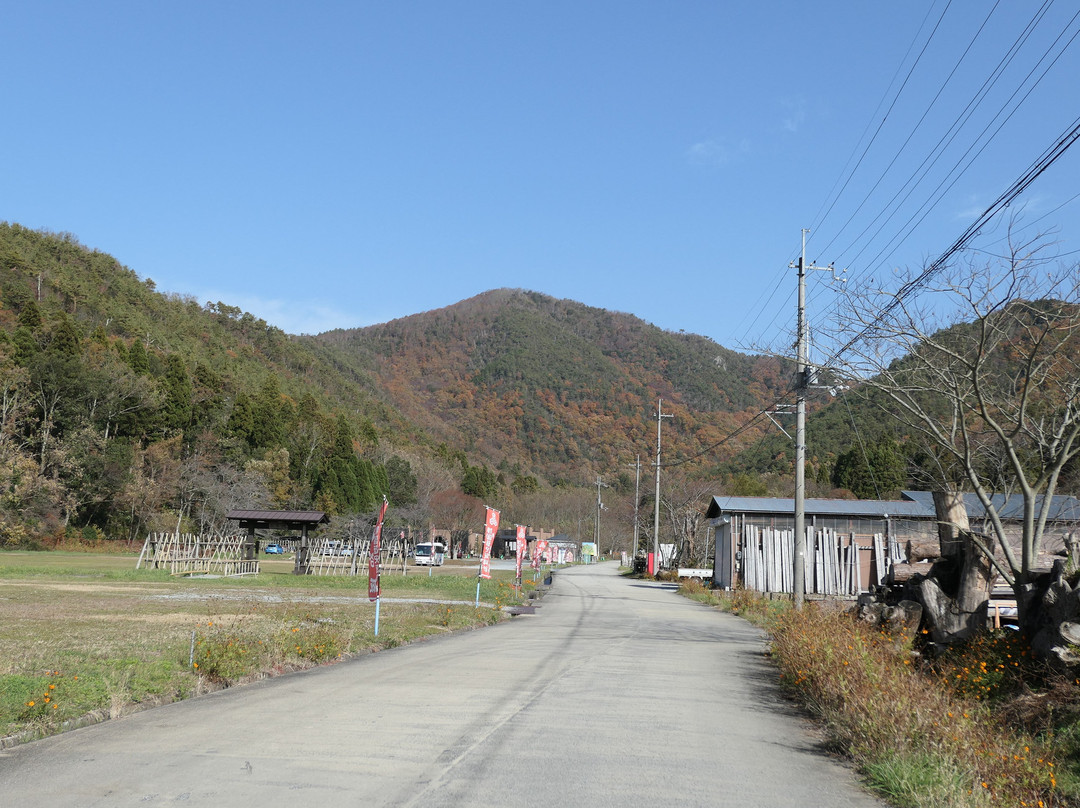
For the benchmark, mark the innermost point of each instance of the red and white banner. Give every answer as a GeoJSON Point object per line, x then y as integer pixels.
{"type": "Point", "coordinates": [522, 543]}
{"type": "Point", "coordinates": [538, 553]}
{"type": "Point", "coordinates": [491, 527]}
{"type": "Point", "coordinates": [375, 556]}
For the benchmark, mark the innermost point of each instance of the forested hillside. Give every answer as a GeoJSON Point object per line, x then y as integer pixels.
{"type": "Point", "coordinates": [124, 409]}
{"type": "Point", "coordinates": [127, 410]}
{"type": "Point", "coordinates": [557, 388]}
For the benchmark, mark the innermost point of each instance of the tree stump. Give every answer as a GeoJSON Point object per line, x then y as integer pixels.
{"type": "Point", "coordinates": [1058, 638]}
{"type": "Point", "coordinates": [953, 618]}
{"type": "Point", "coordinates": [900, 622]}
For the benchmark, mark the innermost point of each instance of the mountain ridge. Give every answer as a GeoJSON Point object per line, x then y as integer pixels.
{"type": "Point", "coordinates": [496, 371]}
{"type": "Point", "coordinates": [134, 410]}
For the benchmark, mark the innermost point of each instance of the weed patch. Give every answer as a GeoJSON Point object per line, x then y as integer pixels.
{"type": "Point", "coordinates": [920, 743]}
{"type": "Point", "coordinates": [108, 639]}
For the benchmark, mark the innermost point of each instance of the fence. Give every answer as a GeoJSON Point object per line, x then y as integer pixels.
{"type": "Point", "coordinates": [189, 554]}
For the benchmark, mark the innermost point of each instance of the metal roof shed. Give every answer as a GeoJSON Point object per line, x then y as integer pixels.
{"type": "Point", "coordinates": [730, 515]}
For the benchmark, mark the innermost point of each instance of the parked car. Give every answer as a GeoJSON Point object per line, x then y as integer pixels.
{"type": "Point", "coordinates": [274, 549]}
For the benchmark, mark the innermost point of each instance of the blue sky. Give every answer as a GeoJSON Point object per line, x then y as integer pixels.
{"type": "Point", "coordinates": [328, 165]}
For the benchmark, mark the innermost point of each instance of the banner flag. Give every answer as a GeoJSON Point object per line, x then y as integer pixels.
{"type": "Point", "coordinates": [491, 527]}
{"type": "Point", "coordinates": [522, 543]}
{"type": "Point", "coordinates": [538, 553]}
{"type": "Point", "coordinates": [375, 555]}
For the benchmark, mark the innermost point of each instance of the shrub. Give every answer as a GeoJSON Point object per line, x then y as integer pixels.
{"type": "Point", "coordinates": [991, 666]}
{"type": "Point", "coordinates": [903, 729]}
{"type": "Point", "coordinates": [228, 655]}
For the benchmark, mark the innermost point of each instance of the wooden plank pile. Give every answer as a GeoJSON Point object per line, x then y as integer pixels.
{"type": "Point", "coordinates": [833, 565]}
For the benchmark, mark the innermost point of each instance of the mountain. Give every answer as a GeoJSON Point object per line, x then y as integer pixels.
{"type": "Point", "coordinates": [557, 388]}
{"type": "Point", "coordinates": [126, 410]}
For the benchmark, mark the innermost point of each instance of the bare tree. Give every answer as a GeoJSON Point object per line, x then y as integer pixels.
{"type": "Point", "coordinates": [682, 502]}
{"type": "Point", "coordinates": [460, 512]}
{"type": "Point", "coordinates": [981, 362]}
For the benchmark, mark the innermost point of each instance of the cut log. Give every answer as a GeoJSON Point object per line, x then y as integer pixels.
{"type": "Point", "coordinates": [952, 520]}
{"type": "Point", "coordinates": [1059, 602]}
{"type": "Point", "coordinates": [1070, 632]}
{"type": "Point", "coordinates": [954, 619]}
{"type": "Point", "coordinates": [902, 620]}
{"type": "Point", "coordinates": [902, 573]}
{"type": "Point", "coordinates": [923, 549]}
{"type": "Point", "coordinates": [976, 578]}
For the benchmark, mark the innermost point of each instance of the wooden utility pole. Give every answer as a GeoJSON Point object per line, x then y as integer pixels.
{"type": "Point", "coordinates": [656, 514]}
{"type": "Point", "coordinates": [599, 507]}
{"type": "Point", "coordinates": [636, 466]}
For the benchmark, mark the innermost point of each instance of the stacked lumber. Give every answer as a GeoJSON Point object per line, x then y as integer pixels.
{"type": "Point", "coordinates": [833, 564]}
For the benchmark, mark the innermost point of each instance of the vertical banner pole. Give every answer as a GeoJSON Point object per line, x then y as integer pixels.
{"type": "Point", "coordinates": [374, 559]}
{"type": "Point", "coordinates": [491, 527]}
{"type": "Point", "coordinates": [522, 541]}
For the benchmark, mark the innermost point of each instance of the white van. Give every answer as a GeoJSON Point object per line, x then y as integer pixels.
{"type": "Point", "coordinates": [429, 554]}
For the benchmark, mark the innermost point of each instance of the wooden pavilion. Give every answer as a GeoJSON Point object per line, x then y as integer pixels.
{"type": "Point", "coordinates": [293, 521]}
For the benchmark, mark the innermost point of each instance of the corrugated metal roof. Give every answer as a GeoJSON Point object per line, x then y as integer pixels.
{"type": "Point", "coordinates": [915, 505]}
{"type": "Point", "coordinates": [308, 517]}
{"type": "Point", "coordinates": [1062, 508]}
{"type": "Point", "coordinates": [870, 508]}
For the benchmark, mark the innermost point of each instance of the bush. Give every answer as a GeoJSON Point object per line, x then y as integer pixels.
{"type": "Point", "coordinates": [919, 743]}
{"type": "Point", "coordinates": [228, 655]}
{"type": "Point", "coordinates": [991, 666]}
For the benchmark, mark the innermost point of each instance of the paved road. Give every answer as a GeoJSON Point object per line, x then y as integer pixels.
{"type": "Point", "coordinates": [616, 693]}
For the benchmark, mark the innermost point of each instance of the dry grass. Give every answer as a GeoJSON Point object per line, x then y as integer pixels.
{"type": "Point", "coordinates": [919, 742]}
{"type": "Point", "coordinates": [90, 637]}
{"type": "Point", "coordinates": [982, 725]}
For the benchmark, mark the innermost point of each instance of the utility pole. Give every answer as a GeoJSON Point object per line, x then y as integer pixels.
{"type": "Point", "coordinates": [803, 380]}
{"type": "Point", "coordinates": [599, 507]}
{"type": "Point", "coordinates": [656, 515]}
{"type": "Point", "coordinates": [636, 466]}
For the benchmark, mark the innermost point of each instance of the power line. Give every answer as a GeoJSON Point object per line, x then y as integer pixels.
{"type": "Point", "coordinates": [759, 306]}
{"type": "Point", "coordinates": [960, 167]}
{"type": "Point", "coordinates": [914, 129]}
{"type": "Point", "coordinates": [956, 172]}
{"type": "Point", "coordinates": [1051, 155]}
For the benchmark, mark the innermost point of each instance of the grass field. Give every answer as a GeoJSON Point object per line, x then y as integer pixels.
{"type": "Point", "coordinates": [86, 636]}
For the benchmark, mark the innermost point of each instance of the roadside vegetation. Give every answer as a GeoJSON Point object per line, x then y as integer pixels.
{"type": "Point", "coordinates": [87, 637]}
{"type": "Point", "coordinates": [981, 725]}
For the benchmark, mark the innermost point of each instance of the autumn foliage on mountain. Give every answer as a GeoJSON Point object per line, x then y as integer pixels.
{"type": "Point", "coordinates": [560, 389]}
{"type": "Point", "coordinates": [126, 410]}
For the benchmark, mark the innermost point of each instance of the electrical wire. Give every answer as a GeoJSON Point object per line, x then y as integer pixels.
{"type": "Point", "coordinates": [1051, 155]}
{"type": "Point", "coordinates": [759, 306]}
{"type": "Point", "coordinates": [862, 447]}
{"type": "Point", "coordinates": [914, 129]}
{"type": "Point", "coordinates": [939, 194]}
{"type": "Point", "coordinates": [947, 139]}
{"type": "Point", "coordinates": [957, 171]}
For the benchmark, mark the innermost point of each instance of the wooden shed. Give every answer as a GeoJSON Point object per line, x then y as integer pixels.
{"type": "Point", "coordinates": [851, 544]}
